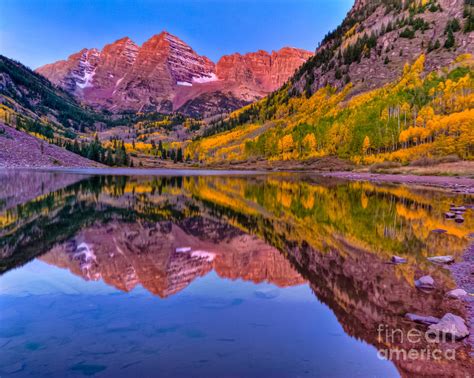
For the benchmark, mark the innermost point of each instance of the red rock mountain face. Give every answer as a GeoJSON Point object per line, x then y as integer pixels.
{"type": "Point", "coordinates": [261, 69]}
{"type": "Point", "coordinates": [165, 74]}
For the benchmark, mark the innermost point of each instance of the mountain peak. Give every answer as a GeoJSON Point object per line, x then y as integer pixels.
{"type": "Point", "coordinates": [165, 72]}
{"type": "Point", "coordinates": [123, 41]}
{"type": "Point", "coordinates": [164, 36]}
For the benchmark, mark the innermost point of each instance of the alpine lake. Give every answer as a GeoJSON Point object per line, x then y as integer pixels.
{"type": "Point", "coordinates": [224, 274]}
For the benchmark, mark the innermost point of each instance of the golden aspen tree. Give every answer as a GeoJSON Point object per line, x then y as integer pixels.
{"type": "Point", "coordinates": [309, 143]}
{"type": "Point", "coordinates": [365, 145]}
{"type": "Point", "coordinates": [286, 146]}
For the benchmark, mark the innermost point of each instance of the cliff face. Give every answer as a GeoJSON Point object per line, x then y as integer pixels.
{"type": "Point", "coordinates": [261, 69]}
{"type": "Point", "coordinates": [165, 74]}
{"type": "Point", "coordinates": [75, 73]}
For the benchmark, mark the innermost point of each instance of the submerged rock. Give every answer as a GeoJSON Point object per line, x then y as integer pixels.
{"type": "Point", "coordinates": [456, 293]}
{"type": "Point", "coordinates": [459, 219]}
{"type": "Point", "coordinates": [441, 259]}
{"type": "Point", "coordinates": [425, 283]}
{"type": "Point", "coordinates": [449, 215]}
{"type": "Point", "coordinates": [398, 260]}
{"type": "Point", "coordinates": [450, 325]}
{"type": "Point", "coordinates": [421, 318]}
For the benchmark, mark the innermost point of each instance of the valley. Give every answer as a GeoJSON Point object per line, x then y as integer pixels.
{"type": "Point", "coordinates": [389, 90]}
{"type": "Point", "coordinates": [237, 188]}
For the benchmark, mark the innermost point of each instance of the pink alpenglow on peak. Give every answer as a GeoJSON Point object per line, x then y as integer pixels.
{"type": "Point", "coordinates": [165, 74]}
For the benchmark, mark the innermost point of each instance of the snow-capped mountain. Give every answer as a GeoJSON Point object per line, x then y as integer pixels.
{"type": "Point", "coordinates": [166, 74]}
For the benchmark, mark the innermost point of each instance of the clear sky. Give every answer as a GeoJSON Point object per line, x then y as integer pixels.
{"type": "Point", "coordinates": [37, 32]}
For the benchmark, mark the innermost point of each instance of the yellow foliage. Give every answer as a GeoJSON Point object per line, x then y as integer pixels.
{"type": "Point", "coordinates": [386, 123]}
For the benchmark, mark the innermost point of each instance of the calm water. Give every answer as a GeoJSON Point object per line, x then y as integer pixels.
{"type": "Point", "coordinates": [218, 276]}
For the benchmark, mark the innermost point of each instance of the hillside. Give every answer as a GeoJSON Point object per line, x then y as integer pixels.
{"type": "Point", "coordinates": [416, 104]}
{"type": "Point", "coordinates": [31, 95]}
{"type": "Point", "coordinates": [21, 150]}
{"type": "Point", "coordinates": [377, 37]}
{"type": "Point", "coordinates": [38, 109]}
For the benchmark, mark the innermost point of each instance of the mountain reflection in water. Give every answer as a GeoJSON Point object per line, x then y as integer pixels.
{"type": "Point", "coordinates": [163, 233]}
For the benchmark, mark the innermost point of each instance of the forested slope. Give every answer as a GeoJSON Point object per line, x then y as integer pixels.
{"type": "Point", "coordinates": [393, 82]}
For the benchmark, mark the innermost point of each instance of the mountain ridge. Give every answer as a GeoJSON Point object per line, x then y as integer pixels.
{"type": "Point", "coordinates": [165, 73]}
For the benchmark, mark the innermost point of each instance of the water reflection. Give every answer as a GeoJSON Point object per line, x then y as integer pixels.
{"type": "Point", "coordinates": [164, 233]}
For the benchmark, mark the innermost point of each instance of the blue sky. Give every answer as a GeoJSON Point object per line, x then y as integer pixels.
{"type": "Point", "coordinates": [37, 32]}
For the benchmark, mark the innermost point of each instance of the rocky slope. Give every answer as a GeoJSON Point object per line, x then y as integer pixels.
{"type": "Point", "coordinates": [21, 150]}
{"type": "Point", "coordinates": [377, 38]}
{"type": "Point", "coordinates": [165, 74]}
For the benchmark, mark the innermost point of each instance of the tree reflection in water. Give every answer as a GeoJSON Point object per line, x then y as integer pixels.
{"type": "Point", "coordinates": [286, 229]}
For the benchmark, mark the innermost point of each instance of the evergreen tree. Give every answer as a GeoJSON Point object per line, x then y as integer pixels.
{"type": "Point", "coordinates": [450, 41]}
{"type": "Point", "coordinates": [109, 158]}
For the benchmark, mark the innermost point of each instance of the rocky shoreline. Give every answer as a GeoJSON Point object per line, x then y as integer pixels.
{"type": "Point", "coordinates": [456, 184]}
{"type": "Point", "coordinates": [463, 272]}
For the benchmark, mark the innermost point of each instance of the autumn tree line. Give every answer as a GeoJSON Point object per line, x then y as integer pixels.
{"type": "Point", "coordinates": [435, 111]}
{"type": "Point", "coordinates": [94, 150]}
{"type": "Point", "coordinates": [173, 154]}
{"type": "Point", "coordinates": [416, 116]}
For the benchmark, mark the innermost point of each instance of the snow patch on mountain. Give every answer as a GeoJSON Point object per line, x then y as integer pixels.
{"type": "Point", "coordinates": [84, 252]}
{"type": "Point", "coordinates": [87, 80]}
{"type": "Point", "coordinates": [208, 256]}
{"type": "Point", "coordinates": [205, 79]}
